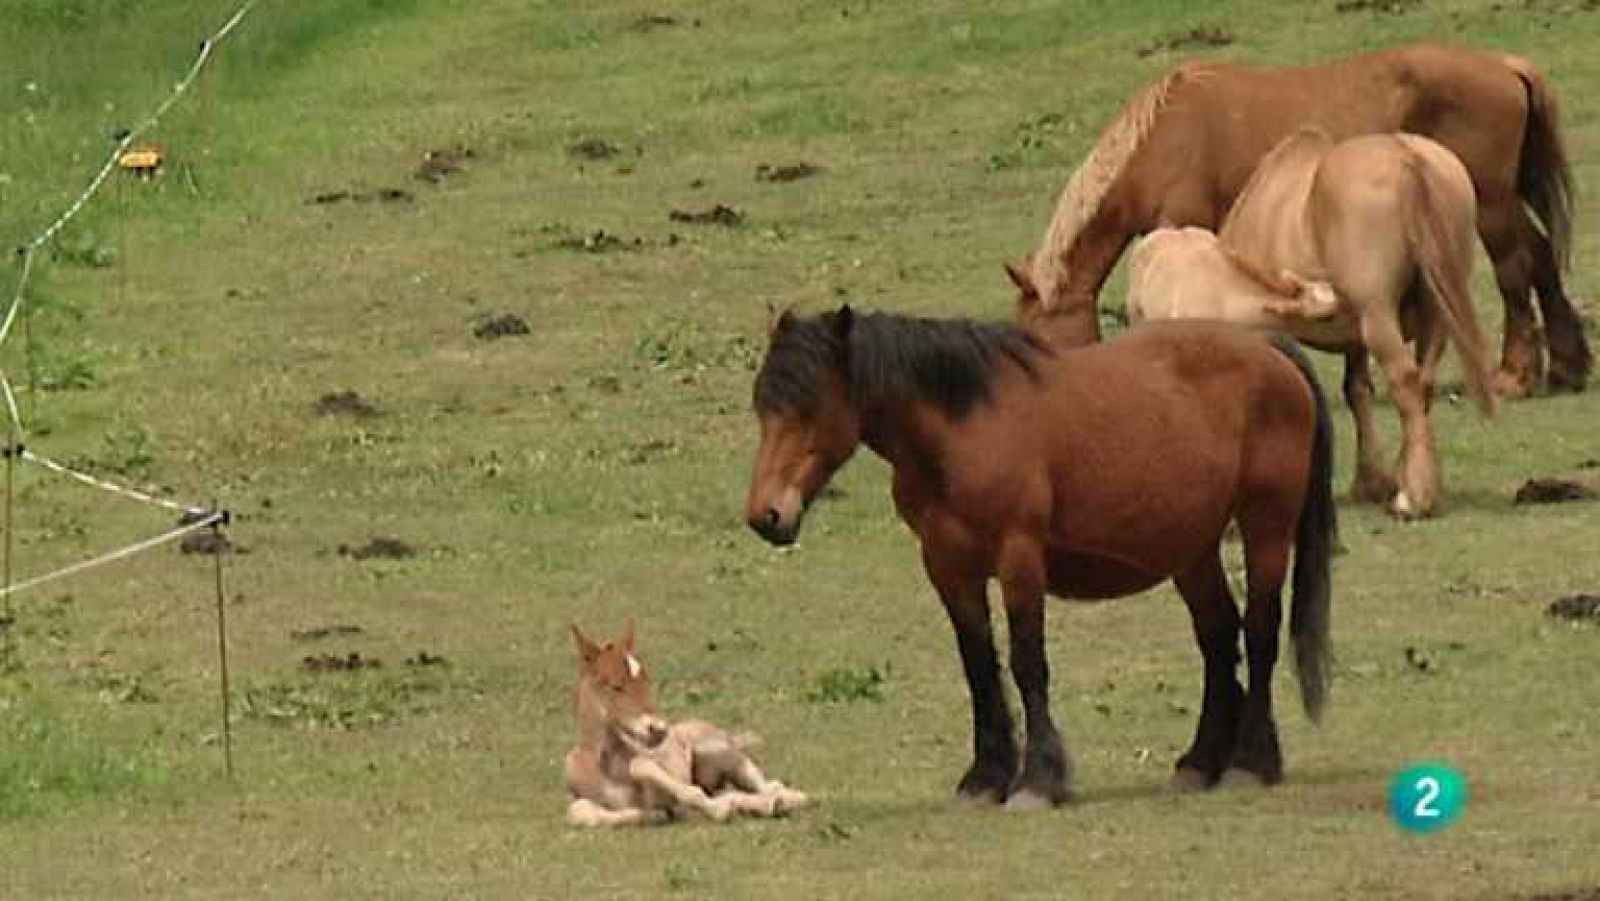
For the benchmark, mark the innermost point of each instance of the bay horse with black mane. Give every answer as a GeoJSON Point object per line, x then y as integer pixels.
{"type": "Point", "coordinates": [1182, 149]}
{"type": "Point", "coordinates": [1093, 472]}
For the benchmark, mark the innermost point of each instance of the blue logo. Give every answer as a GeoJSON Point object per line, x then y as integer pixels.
{"type": "Point", "coordinates": [1427, 797]}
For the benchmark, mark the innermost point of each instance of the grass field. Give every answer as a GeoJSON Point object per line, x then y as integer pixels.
{"type": "Point", "coordinates": [593, 468]}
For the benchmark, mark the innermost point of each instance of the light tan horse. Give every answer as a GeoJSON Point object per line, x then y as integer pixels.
{"type": "Point", "coordinates": [632, 768]}
{"type": "Point", "coordinates": [1383, 227]}
{"type": "Point", "coordinates": [1182, 149]}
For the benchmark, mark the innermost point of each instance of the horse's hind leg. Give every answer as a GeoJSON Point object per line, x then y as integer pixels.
{"type": "Point", "coordinates": [1419, 468]}
{"type": "Point", "coordinates": [1268, 530]}
{"type": "Point", "coordinates": [1511, 250]}
{"type": "Point", "coordinates": [1570, 358]}
{"type": "Point", "coordinates": [1216, 629]}
{"type": "Point", "coordinates": [994, 746]}
{"type": "Point", "coordinates": [1373, 483]}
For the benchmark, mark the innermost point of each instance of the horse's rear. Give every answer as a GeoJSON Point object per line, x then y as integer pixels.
{"type": "Point", "coordinates": [1255, 441]}
{"type": "Point", "coordinates": [1389, 220]}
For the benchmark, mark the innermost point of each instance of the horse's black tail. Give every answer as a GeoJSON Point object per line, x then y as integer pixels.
{"type": "Point", "coordinates": [1315, 539]}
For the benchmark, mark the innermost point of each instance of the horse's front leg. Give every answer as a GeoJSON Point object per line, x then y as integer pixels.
{"type": "Point", "coordinates": [682, 795]}
{"type": "Point", "coordinates": [1046, 778]}
{"type": "Point", "coordinates": [994, 747]}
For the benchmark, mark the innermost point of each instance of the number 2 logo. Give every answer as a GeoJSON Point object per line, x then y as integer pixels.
{"type": "Point", "coordinates": [1427, 797]}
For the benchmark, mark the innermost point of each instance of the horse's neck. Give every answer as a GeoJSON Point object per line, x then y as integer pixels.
{"type": "Point", "coordinates": [906, 435]}
{"type": "Point", "coordinates": [594, 728]}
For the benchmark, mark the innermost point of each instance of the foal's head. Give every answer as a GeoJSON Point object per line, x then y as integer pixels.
{"type": "Point", "coordinates": [809, 424]}
{"type": "Point", "coordinates": [614, 690]}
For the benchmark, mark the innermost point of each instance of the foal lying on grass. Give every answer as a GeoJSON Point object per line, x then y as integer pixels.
{"type": "Point", "coordinates": [632, 768]}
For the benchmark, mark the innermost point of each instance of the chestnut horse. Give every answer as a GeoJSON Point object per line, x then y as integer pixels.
{"type": "Point", "coordinates": [1384, 226]}
{"type": "Point", "coordinates": [1094, 472]}
{"type": "Point", "coordinates": [1183, 148]}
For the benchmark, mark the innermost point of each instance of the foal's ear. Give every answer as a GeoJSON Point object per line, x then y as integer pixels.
{"type": "Point", "coordinates": [625, 643]}
{"type": "Point", "coordinates": [587, 650]}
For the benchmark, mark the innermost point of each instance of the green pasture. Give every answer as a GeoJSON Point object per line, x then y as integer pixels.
{"type": "Point", "coordinates": [183, 331]}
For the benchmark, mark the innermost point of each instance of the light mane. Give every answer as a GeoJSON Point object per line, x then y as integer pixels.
{"type": "Point", "coordinates": [1093, 179]}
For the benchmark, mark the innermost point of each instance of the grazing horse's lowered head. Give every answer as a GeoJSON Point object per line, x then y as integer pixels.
{"type": "Point", "coordinates": [614, 698]}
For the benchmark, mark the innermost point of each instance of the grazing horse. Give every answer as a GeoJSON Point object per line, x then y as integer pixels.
{"type": "Point", "coordinates": [1384, 226]}
{"type": "Point", "coordinates": [1094, 472]}
{"type": "Point", "coordinates": [1181, 150]}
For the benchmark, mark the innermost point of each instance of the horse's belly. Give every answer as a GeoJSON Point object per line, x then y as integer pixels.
{"type": "Point", "coordinates": [1080, 576]}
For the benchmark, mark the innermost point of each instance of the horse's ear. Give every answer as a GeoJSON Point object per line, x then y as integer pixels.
{"type": "Point", "coordinates": [625, 643]}
{"type": "Point", "coordinates": [587, 650]}
{"type": "Point", "coordinates": [776, 318]}
{"type": "Point", "coordinates": [844, 321]}
{"type": "Point", "coordinates": [1019, 276]}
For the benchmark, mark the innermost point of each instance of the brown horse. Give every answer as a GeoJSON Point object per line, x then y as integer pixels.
{"type": "Point", "coordinates": [1094, 472]}
{"type": "Point", "coordinates": [1181, 150]}
{"type": "Point", "coordinates": [1384, 224]}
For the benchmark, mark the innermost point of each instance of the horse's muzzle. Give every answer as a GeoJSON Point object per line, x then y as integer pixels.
{"type": "Point", "coordinates": [770, 525]}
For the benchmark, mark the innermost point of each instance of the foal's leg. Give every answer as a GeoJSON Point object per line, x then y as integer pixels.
{"type": "Point", "coordinates": [1373, 482]}
{"type": "Point", "coordinates": [691, 797]}
{"type": "Point", "coordinates": [584, 812]}
{"type": "Point", "coordinates": [1268, 529]}
{"type": "Point", "coordinates": [994, 747]}
{"type": "Point", "coordinates": [1046, 778]}
{"type": "Point", "coordinates": [1419, 472]}
{"type": "Point", "coordinates": [1216, 628]}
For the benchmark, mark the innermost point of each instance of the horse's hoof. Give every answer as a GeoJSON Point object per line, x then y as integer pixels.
{"type": "Point", "coordinates": [1373, 488]}
{"type": "Point", "coordinates": [1403, 508]}
{"type": "Point", "coordinates": [1187, 779]}
{"type": "Point", "coordinates": [987, 797]}
{"type": "Point", "coordinates": [1237, 778]}
{"type": "Point", "coordinates": [1027, 800]}
{"type": "Point", "coordinates": [1561, 381]}
{"type": "Point", "coordinates": [788, 801]}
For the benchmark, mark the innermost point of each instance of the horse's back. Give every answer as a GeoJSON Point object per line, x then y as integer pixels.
{"type": "Point", "coordinates": [1155, 439]}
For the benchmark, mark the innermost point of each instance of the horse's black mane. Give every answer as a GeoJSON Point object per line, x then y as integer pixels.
{"type": "Point", "coordinates": [950, 363]}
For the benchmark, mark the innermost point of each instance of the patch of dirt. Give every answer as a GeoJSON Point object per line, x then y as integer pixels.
{"type": "Point", "coordinates": [1553, 491]}
{"type": "Point", "coordinates": [1203, 36]}
{"type": "Point", "coordinates": [1418, 660]}
{"type": "Point", "coordinates": [425, 659]}
{"type": "Point", "coordinates": [1581, 607]}
{"type": "Point", "coordinates": [437, 165]}
{"type": "Point", "coordinates": [208, 542]}
{"type": "Point", "coordinates": [382, 195]}
{"type": "Point", "coordinates": [789, 172]}
{"type": "Point", "coordinates": [333, 663]}
{"type": "Point", "coordinates": [598, 241]}
{"type": "Point", "coordinates": [378, 549]}
{"type": "Point", "coordinates": [720, 214]}
{"type": "Point", "coordinates": [503, 326]}
{"type": "Point", "coordinates": [652, 21]}
{"type": "Point", "coordinates": [1577, 894]}
{"type": "Point", "coordinates": [1593, 462]}
{"type": "Point", "coordinates": [592, 149]}
{"type": "Point", "coordinates": [1392, 7]}
{"type": "Point", "coordinates": [322, 632]}
{"type": "Point", "coordinates": [345, 403]}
